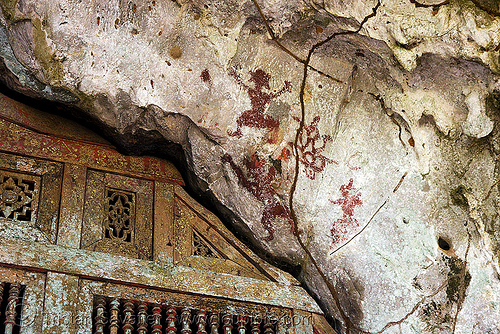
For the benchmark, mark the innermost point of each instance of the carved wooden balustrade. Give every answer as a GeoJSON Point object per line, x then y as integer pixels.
{"type": "Point", "coordinates": [114, 315]}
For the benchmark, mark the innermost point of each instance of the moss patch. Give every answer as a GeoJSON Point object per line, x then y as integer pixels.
{"type": "Point", "coordinates": [52, 68]}
{"type": "Point", "coordinates": [9, 9]}
{"type": "Point", "coordinates": [455, 286]}
{"type": "Point", "coordinates": [458, 197]}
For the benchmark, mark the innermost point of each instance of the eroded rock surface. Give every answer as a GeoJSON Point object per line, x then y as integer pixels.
{"type": "Point", "coordinates": [390, 111]}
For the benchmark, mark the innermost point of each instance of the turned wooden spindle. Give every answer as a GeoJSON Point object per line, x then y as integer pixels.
{"type": "Point", "coordinates": [268, 326]}
{"type": "Point", "coordinates": [128, 321]}
{"type": "Point", "coordinates": [255, 325]}
{"type": "Point", "coordinates": [2, 284]}
{"type": "Point", "coordinates": [142, 324]}
{"type": "Point", "coordinates": [113, 316]}
{"type": "Point", "coordinates": [100, 316]}
{"type": "Point", "coordinates": [171, 317]}
{"type": "Point", "coordinates": [214, 323]}
{"type": "Point", "coordinates": [186, 321]}
{"type": "Point", "coordinates": [227, 323]}
{"type": "Point", "coordinates": [10, 314]}
{"type": "Point", "coordinates": [156, 320]}
{"type": "Point", "coordinates": [241, 322]}
{"type": "Point", "coordinates": [201, 322]}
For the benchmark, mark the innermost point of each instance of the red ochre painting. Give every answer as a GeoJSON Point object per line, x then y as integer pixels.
{"type": "Point", "coordinates": [259, 99]}
{"type": "Point", "coordinates": [259, 181]}
{"type": "Point", "coordinates": [310, 147]}
{"type": "Point", "coordinates": [348, 202]}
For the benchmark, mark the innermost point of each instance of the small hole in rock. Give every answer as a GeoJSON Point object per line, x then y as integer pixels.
{"type": "Point", "coordinates": [443, 244]}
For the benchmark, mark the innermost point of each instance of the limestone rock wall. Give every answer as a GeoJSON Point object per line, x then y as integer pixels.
{"type": "Point", "coordinates": [358, 139]}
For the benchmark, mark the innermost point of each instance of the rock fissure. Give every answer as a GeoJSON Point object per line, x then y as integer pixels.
{"type": "Point", "coordinates": [463, 285]}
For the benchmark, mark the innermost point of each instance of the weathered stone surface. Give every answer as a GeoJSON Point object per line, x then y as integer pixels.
{"type": "Point", "coordinates": [397, 149]}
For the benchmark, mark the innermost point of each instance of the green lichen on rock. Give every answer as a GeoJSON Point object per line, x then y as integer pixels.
{"type": "Point", "coordinates": [458, 280]}
{"type": "Point", "coordinates": [438, 312]}
{"type": "Point", "coordinates": [9, 9]}
{"type": "Point", "coordinates": [52, 68]}
{"type": "Point", "coordinates": [458, 197]}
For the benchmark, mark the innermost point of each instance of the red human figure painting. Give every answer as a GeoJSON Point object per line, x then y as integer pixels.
{"type": "Point", "coordinates": [258, 180]}
{"type": "Point", "coordinates": [259, 100]}
{"type": "Point", "coordinates": [310, 146]}
{"type": "Point", "coordinates": [348, 202]}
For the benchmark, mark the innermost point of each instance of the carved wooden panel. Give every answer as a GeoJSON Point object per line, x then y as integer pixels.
{"type": "Point", "coordinates": [30, 192]}
{"type": "Point", "coordinates": [115, 308]}
{"type": "Point", "coordinates": [21, 301]}
{"type": "Point", "coordinates": [200, 243]}
{"type": "Point", "coordinates": [118, 215]}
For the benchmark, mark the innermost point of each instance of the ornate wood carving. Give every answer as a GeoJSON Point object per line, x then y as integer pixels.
{"type": "Point", "coordinates": [171, 314]}
{"type": "Point", "coordinates": [241, 321]}
{"type": "Point", "coordinates": [227, 323]}
{"type": "Point", "coordinates": [119, 224]}
{"type": "Point", "coordinates": [214, 323]}
{"type": "Point", "coordinates": [30, 292]}
{"type": "Point", "coordinates": [201, 322]}
{"type": "Point", "coordinates": [201, 248]}
{"type": "Point", "coordinates": [268, 326]}
{"type": "Point", "coordinates": [30, 191]}
{"type": "Point", "coordinates": [113, 319]}
{"type": "Point", "coordinates": [70, 146]}
{"type": "Point", "coordinates": [18, 196]}
{"type": "Point", "coordinates": [10, 312]}
{"type": "Point", "coordinates": [156, 320]}
{"type": "Point", "coordinates": [100, 317]}
{"type": "Point", "coordinates": [2, 284]}
{"type": "Point", "coordinates": [128, 320]}
{"type": "Point", "coordinates": [256, 325]}
{"type": "Point", "coordinates": [118, 215]}
{"type": "Point", "coordinates": [142, 327]}
{"type": "Point", "coordinates": [186, 321]}
{"type": "Point", "coordinates": [178, 319]}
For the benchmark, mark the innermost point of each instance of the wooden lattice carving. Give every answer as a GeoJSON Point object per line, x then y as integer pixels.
{"type": "Point", "coordinates": [121, 210]}
{"type": "Point", "coordinates": [18, 196]}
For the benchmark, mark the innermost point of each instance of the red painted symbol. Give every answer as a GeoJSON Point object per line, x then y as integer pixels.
{"type": "Point", "coordinates": [259, 100]}
{"type": "Point", "coordinates": [259, 181]}
{"type": "Point", "coordinates": [310, 146]}
{"type": "Point", "coordinates": [348, 202]}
